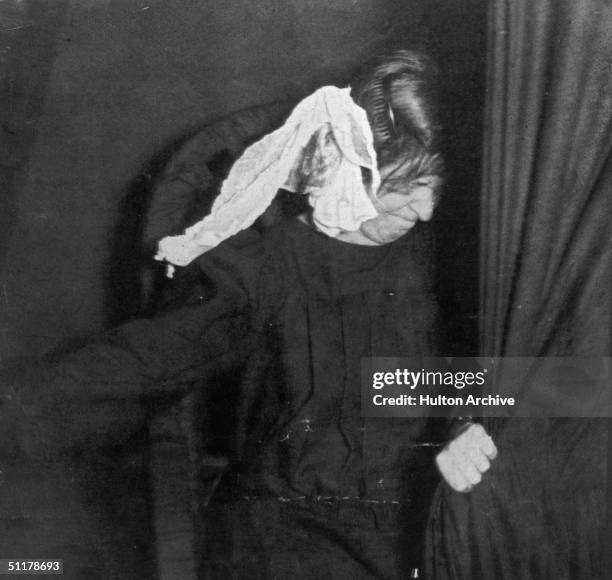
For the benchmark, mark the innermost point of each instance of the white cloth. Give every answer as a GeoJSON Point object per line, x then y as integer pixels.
{"type": "Point", "coordinates": [326, 129]}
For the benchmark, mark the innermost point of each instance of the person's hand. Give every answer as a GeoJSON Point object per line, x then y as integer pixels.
{"type": "Point", "coordinates": [464, 460]}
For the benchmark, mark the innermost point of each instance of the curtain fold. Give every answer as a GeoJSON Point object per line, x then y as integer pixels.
{"type": "Point", "coordinates": [547, 143]}
{"type": "Point", "coordinates": [546, 290]}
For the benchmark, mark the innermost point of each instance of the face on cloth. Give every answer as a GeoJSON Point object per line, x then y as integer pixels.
{"type": "Point", "coordinates": [401, 203]}
{"type": "Point", "coordinates": [401, 200]}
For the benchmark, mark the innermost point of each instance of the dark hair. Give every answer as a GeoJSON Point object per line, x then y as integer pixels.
{"type": "Point", "coordinates": [399, 93]}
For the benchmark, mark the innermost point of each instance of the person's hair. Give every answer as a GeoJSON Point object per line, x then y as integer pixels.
{"type": "Point", "coordinates": [399, 93]}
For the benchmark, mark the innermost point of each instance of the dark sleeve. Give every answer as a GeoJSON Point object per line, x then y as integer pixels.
{"type": "Point", "coordinates": [103, 391]}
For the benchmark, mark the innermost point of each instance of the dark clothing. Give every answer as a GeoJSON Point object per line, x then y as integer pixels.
{"type": "Point", "coordinates": [537, 515]}
{"type": "Point", "coordinates": [314, 490]}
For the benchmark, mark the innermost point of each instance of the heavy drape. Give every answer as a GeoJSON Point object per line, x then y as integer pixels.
{"type": "Point", "coordinates": [545, 291]}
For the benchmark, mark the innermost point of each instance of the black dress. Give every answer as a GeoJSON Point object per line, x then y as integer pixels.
{"type": "Point", "coordinates": [314, 489]}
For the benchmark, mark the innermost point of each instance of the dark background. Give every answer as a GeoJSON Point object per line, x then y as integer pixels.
{"type": "Point", "coordinates": [92, 90]}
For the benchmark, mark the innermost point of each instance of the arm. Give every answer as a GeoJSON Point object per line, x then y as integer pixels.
{"type": "Point", "coordinates": [105, 390]}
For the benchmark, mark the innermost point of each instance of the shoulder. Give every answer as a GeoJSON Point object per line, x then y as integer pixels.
{"type": "Point", "coordinates": [242, 261]}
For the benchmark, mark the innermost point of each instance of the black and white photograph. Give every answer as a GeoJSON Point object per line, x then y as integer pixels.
{"type": "Point", "coordinates": [306, 289]}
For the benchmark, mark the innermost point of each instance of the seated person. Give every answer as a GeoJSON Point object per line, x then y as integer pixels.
{"type": "Point", "coordinates": [313, 490]}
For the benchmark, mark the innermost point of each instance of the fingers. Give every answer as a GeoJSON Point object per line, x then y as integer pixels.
{"type": "Point", "coordinates": [451, 472]}
{"type": "Point", "coordinates": [464, 460]}
{"type": "Point", "coordinates": [477, 444]}
{"type": "Point", "coordinates": [479, 460]}
{"type": "Point", "coordinates": [487, 446]}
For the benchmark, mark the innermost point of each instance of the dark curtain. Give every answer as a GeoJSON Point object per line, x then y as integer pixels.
{"type": "Point", "coordinates": [545, 291]}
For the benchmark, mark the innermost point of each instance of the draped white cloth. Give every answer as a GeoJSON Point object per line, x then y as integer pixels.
{"type": "Point", "coordinates": [319, 152]}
